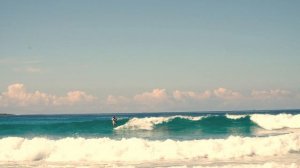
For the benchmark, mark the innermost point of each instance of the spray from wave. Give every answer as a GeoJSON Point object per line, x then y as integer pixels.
{"type": "Point", "coordinates": [148, 123]}
{"type": "Point", "coordinates": [135, 149]}
{"type": "Point", "coordinates": [271, 122]}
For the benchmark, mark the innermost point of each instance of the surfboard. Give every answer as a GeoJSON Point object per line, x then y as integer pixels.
{"type": "Point", "coordinates": [114, 122]}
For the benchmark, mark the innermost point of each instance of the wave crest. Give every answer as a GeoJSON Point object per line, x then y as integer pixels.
{"type": "Point", "coordinates": [148, 123]}
{"type": "Point", "coordinates": [265, 121]}
{"type": "Point", "coordinates": [279, 121]}
{"type": "Point", "coordinates": [235, 117]}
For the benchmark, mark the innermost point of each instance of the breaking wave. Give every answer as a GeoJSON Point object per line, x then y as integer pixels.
{"type": "Point", "coordinates": [135, 149]}
{"type": "Point", "coordinates": [265, 121]}
{"type": "Point", "coordinates": [148, 123]}
{"type": "Point", "coordinates": [279, 121]}
{"type": "Point", "coordinates": [235, 117]}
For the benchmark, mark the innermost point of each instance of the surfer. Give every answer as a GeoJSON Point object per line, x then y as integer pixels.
{"type": "Point", "coordinates": [114, 120]}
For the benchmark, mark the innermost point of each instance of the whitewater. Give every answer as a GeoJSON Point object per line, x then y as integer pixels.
{"type": "Point", "coordinates": [213, 139]}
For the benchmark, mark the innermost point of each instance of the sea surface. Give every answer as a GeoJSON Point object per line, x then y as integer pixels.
{"type": "Point", "coordinates": [186, 139]}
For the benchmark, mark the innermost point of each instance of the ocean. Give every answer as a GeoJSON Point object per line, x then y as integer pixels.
{"type": "Point", "coordinates": [170, 139]}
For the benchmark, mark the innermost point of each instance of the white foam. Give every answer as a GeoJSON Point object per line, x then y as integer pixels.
{"type": "Point", "coordinates": [279, 121]}
{"type": "Point", "coordinates": [139, 150]}
{"type": "Point", "coordinates": [235, 117]}
{"type": "Point", "coordinates": [266, 121]}
{"type": "Point", "coordinates": [148, 123]}
{"type": "Point", "coordinates": [197, 118]}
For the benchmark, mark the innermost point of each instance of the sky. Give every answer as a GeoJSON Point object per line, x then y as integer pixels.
{"type": "Point", "coordinates": [76, 56]}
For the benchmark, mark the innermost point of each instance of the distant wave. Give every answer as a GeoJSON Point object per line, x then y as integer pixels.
{"type": "Point", "coordinates": [135, 149]}
{"type": "Point", "coordinates": [265, 121]}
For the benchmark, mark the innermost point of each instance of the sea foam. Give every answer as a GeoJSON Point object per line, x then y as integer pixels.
{"type": "Point", "coordinates": [235, 117]}
{"type": "Point", "coordinates": [279, 121]}
{"type": "Point", "coordinates": [139, 150]}
{"type": "Point", "coordinates": [266, 121]}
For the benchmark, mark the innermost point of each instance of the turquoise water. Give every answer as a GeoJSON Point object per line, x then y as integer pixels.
{"type": "Point", "coordinates": [211, 125]}
{"type": "Point", "coordinates": [213, 139]}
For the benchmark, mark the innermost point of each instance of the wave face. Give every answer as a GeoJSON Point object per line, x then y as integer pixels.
{"type": "Point", "coordinates": [155, 127]}
{"type": "Point", "coordinates": [139, 150]}
{"type": "Point", "coordinates": [60, 126]}
{"type": "Point", "coordinates": [148, 123]}
{"type": "Point", "coordinates": [213, 126]}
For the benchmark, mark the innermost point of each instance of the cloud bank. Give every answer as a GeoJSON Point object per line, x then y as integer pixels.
{"type": "Point", "coordinates": [17, 99]}
{"type": "Point", "coordinates": [17, 95]}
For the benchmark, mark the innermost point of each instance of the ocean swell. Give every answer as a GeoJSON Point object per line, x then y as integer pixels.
{"type": "Point", "coordinates": [265, 121]}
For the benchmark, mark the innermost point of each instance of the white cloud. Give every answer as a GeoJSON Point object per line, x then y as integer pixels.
{"type": "Point", "coordinates": [267, 94]}
{"type": "Point", "coordinates": [227, 94]}
{"type": "Point", "coordinates": [184, 95]}
{"type": "Point", "coordinates": [117, 100]}
{"type": "Point", "coordinates": [154, 97]}
{"type": "Point", "coordinates": [17, 95]}
{"type": "Point", "coordinates": [74, 97]}
{"type": "Point", "coordinates": [155, 100]}
{"type": "Point", "coordinates": [118, 103]}
{"type": "Point", "coordinates": [161, 100]}
{"type": "Point", "coordinates": [221, 93]}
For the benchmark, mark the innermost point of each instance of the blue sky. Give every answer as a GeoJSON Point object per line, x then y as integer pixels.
{"type": "Point", "coordinates": [127, 48]}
